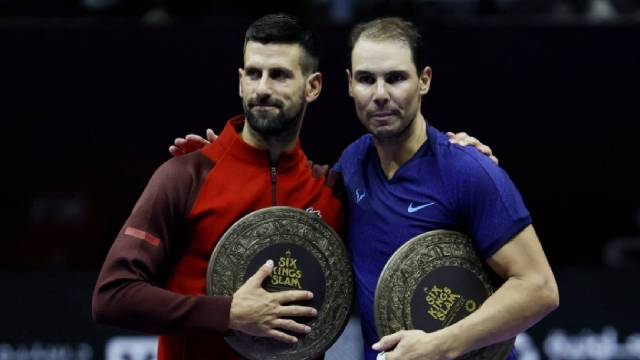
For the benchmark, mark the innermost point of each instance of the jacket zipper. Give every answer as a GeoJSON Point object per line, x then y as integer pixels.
{"type": "Point", "coordinates": [273, 186]}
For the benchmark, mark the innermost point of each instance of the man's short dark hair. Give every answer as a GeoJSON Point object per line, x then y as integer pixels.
{"type": "Point", "coordinates": [390, 28]}
{"type": "Point", "coordinates": [285, 29]}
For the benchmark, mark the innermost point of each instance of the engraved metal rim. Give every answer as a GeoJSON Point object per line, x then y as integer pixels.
{"type": "Point", "coordinates": [333, 260]}
{"type": "Point", "coordinates": [496, 351]}
{"type": "Point", "coordinates": [390, 263]}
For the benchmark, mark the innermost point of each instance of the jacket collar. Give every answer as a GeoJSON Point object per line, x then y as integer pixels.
{"type": "Point", "coordinates": [230, 143]}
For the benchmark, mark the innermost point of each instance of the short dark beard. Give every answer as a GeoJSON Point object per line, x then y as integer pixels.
{"type": "Point", "coordinates": [269, 125]}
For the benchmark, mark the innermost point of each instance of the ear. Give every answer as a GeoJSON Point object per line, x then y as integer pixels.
{"type": "Point", "coordinates": [240, 76]}
{"type": "Point", "coordinates": [314, 87]}
{"type": "Point", "coordinates": [349, 82]}
{"type": "Point", "coordinates": [425, 80]}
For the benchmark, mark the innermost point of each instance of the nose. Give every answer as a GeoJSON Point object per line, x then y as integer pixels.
{"type": "Point", "coordinates": [381, 95]}
{"type": "Point", "coordinates": [264, 89]}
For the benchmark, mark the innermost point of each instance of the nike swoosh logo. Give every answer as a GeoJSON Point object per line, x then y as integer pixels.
{"type": "Point", "coordinates": [413, 209]}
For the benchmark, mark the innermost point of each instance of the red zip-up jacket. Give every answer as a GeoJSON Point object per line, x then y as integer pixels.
{"type": "Point", "coordinates": [153, 279]}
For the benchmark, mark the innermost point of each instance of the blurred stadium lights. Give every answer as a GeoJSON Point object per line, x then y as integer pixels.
{"type": "Point", "coordinates": [336, 11]}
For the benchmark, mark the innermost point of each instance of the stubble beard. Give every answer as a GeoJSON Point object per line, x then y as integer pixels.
{"type": "Point", "coordinates": [393, 134]}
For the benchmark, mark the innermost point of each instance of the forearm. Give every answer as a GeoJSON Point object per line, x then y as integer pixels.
{"type": "Point", "coordinates": [140, 306]}
{"type": "Point", "coordinates": [517, 305]}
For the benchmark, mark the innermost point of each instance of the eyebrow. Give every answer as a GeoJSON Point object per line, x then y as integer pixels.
{"type": "Point", "coordinates": [369, 72]}
{"type": "Point", "coordinates": [362, 72]}
{"type": "Point", "coordinates": [277, 68]}
{"type": "Point", "coordinates": [397, 72]}
{"type": "Point", "coordinates": [284, 70]}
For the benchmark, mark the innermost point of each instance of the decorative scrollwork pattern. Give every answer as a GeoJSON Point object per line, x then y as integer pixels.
{"type": "Point", "coordinates": [410, 264]}
{"type": "Point", "coordinates": [276, 225]}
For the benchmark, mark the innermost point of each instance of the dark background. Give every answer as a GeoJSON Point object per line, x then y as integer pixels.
{"type": "Point", "coordinates": [90, 109]}
{"type": "Point", "coordinates": [90, 102]}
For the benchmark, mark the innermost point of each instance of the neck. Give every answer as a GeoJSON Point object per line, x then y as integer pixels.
{"type": "Point", "coordinates": [394, 152]}
{"type": "Point", "coordinates": [275, 144]}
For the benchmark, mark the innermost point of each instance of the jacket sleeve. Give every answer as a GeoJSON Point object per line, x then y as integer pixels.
{"type": "Point", "coordinates": [128, 292]}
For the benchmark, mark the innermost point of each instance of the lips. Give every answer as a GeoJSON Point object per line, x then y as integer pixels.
{"type": "Point", "coordinates": [266, 104]}
{"type": "Point", "coordinates": [264, 107]}
{"type": "Point", "coordinates": [383, 116]}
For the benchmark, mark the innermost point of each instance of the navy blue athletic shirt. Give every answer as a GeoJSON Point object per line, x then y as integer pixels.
{"type": "Point", "coordinates": [443, 186]}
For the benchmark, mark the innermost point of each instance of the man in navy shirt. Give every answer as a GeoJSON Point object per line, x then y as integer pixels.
{"type": "Point", "coordinates": [405, 178]}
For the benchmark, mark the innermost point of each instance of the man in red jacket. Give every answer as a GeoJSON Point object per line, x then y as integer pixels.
{"type": "Point", "coordinates": [153, 279]}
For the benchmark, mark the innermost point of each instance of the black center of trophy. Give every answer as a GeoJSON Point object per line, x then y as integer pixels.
{"type": "Point", "coordinates": [295, 268]}
{"type": "Point", "coordinates": [445, 296]}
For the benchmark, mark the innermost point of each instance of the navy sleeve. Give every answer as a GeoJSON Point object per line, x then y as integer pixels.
{"type": "Point", "coordinates": [350, 156]}
{"type": "Point", "coordinates": [492, 208]}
